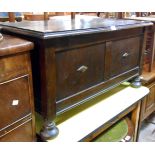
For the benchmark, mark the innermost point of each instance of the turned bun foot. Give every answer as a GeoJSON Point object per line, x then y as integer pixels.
{"type": "Point", "coordinates": [49, 132]}
{"type": "Point", "coordinates": [136, 83]}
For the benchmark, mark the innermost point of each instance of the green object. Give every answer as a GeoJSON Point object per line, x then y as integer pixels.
{"type": "Point", "coordinates": [39, 122]}
{"type": "Point", "coordinates": [115, 134]}
{"type": "Point", "coordinates": [126, 83]}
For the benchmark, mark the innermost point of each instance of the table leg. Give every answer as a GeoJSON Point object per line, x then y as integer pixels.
{"type": "Point", "coordinates": [48, 93]}
{"type": "Point", "coordinates": [135, 119]}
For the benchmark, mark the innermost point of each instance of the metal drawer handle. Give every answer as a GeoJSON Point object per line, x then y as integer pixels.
{"type": "Point", "coordinates": [146, 52]}
{"type": "Point", "coordinates": [82, 69]}
{"type": "Point", "coordinates": [125, 55]}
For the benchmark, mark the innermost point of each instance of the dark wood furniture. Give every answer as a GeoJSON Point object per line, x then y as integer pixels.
{"type": "Point", "coordinates": [148, 105]}
{"type": "Point", "coordinates": [16, 96]}
{"type": "Point", "coordinates": [77, 60]}
{"type": "Point", "coordinates": [150, 40]}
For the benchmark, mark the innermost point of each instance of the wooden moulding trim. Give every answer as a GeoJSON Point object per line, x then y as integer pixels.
{"type": "Point", "coordinates": [27, 75]}
{"type": "Point", "coordinates": [16, 123]}
{"type": "Point", "coordinates": [47, 35]}
{"type": "Point", "coordinates": [105, 40]}
{"type": "Point", "coordinates": [73, 101]}
{"type": "Point", "coordinates": [10, 130]}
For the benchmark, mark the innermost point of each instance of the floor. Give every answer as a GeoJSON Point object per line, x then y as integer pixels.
{"type": "Point", "coordinates": [147, 131]}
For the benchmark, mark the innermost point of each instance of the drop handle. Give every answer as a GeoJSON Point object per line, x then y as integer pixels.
{"type": "Point", "coordinates": [125, 55]}
{"type": "Point", "coordinates": [82, 69]}
{"type": "Point", "coordinates": [146, 52]}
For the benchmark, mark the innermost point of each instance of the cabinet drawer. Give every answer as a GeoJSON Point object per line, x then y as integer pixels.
{"type": "Point", "coordinates": [14, 100]}
{"type": "Point", "coordinates": [79, 69]}
{"type": "Point", "coordinates": [151, 99]}
{"type": "Point", "coordinates": [22, 133]}
{"type": "Point", "coordinates": [13, 66]}
{"type": "Point", "coordinates": [148, 105]}
{"type": "Point", "coordinates": [124, 55]}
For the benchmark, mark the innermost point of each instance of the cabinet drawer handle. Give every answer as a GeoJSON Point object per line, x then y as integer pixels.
{"type": "Point", "coordinates": [82, 69]}
{"type": "Point", "coordinates": [146, 52]}
{"type": "Point", "coordinates": [125, 55]}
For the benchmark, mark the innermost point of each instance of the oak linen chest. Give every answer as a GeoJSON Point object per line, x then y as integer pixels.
{"type": "Point", "coordinates": [16, 94]}
{"type": "Point", "coordinates": [76, 60]}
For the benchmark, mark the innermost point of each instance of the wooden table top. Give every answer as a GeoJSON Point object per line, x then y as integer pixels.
{"type": "Point", "coordinates": [12, 45]}
{"type": "Point", "coordinates": [64, 25]}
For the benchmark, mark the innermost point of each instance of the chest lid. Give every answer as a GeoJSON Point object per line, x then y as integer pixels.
{"type": "Point", "coordinates": [64, 26]}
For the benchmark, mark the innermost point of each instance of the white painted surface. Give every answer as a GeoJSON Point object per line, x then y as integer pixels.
{"type": "Point", "coordinates": [83, 123]}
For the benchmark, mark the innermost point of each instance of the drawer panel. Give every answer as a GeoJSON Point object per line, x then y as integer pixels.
{"type": "Point", "coordinates": [149, 105]}
{"type": "Point", "coordinates": [22, 133]}
{"type": "Point", "coordinates": [78, 69]}
{"type": "Point", "coordinates": [124, 55]}
{"type": "Point", "coordinates": [14, 66]}
{"type": "Point", "coordinates": [14, 101]}
{"type": "Point", "coordinates": [151, 98]}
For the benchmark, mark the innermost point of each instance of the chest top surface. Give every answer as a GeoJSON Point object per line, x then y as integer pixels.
{"type": "Point", "coordinates": [13, 45]}
{"type": "Point", "coordinates": [64, 26]}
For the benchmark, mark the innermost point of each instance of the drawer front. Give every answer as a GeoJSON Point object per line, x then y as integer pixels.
{"type": "Point", "coordinates": [79, 69]}
{"type": "Point", "coordinates": [151, 99]}
{"type": "Point", "coordinates": [14, 101]}
{"type": "Point", "coordinates": [14, 66]}
{"type": "Point", "coordinates": [124, 55]}
{"type": "Point", "coordinates": [149, 105]}
{"type": "Point", "coordinates": [22, 133]}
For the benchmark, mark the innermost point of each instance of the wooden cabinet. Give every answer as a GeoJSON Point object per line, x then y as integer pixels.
{"type": "Point", "coordinates": [148, 105]}
{"type": "Point", "coordinates": [86, 67]}
{"type": "Point", "coordinates": [16, 94]}
{"type": "Point", "coordinates": [77, 60]}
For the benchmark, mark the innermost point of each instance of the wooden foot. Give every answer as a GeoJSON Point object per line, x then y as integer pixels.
{"type": "Point", "coordinates": [136, 82]}
{"type": "Point", "coordinates": [49, 131]}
